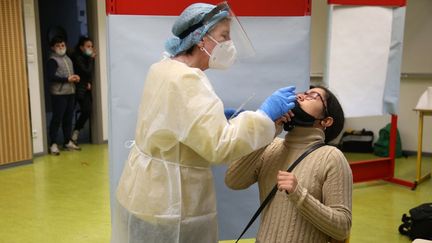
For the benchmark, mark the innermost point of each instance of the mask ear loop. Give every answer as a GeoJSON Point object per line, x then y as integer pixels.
{"type": "Point", "coordinates": [213, 39]}
{"type": "Point", "coordinates": [204, 50]}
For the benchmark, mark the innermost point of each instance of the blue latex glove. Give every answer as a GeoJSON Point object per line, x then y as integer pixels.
{"type": "Point", "coordinates": [231, 113]}
{"type": "Point", "coordinates": [279, 103]}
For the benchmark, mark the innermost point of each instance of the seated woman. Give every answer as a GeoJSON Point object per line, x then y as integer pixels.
{"type": "Point", "coordinates": [313, 203]}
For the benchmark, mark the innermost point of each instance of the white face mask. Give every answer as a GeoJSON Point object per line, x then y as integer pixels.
{"type": "Point", "coordinates": [223, 55]}
{"type": "Point", "coordinates": [61, 51]}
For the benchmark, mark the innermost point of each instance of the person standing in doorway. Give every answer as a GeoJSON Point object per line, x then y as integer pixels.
{"type": "Point", "coordinates": [83, 62]}
{"type": "Point", "coordinates": [62, 80]}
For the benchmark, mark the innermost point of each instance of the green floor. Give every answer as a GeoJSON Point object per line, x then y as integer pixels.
{"type": "Point", "coordinates": [66, 199]}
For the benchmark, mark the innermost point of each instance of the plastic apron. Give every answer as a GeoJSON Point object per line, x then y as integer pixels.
{"type": "Point", "coordinates": [166, 191]}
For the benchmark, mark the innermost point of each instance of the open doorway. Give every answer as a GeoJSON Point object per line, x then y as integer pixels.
{"type": "Point", "coordinates": [67, 18]}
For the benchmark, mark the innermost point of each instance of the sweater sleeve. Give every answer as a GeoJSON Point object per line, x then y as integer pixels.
{"type": "Point", "coordinates": [243, 173]}
{"type": "Point", "coordinates": [51, 72]}
{"type": "Point", "coordinates": [333, 215]}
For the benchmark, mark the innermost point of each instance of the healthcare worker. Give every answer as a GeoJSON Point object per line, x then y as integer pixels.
{"type": "Point", "coordinates": [166, 190]}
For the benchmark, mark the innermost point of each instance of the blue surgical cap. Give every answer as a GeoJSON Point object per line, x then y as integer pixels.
{"type": "Point", "coordinates": [190, 16]}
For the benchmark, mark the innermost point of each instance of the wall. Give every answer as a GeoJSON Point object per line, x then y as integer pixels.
{"type": "Point", "coordinates": [34, 75]}
{"type": "Point", "coordinates": [102, 48]}
{"type": "Point", "coordinates": [97, 26]}
{"type": "Point", "coordinates": [412, 85]}
{"type": "Point", "coordinates": [418, 37]}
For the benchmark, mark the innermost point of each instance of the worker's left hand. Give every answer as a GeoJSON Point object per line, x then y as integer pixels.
{"type": "Point", "coordinates": [231, 113]}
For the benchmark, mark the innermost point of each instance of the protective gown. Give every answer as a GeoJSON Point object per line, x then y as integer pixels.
{"type": "Point", "coordinates": [166, 190]}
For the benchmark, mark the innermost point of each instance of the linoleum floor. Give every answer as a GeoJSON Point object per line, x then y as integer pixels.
{"type": "Point", "coordinates": [62, 199]}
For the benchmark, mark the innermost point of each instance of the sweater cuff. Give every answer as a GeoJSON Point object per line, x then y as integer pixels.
{"type": "Point", "coordinates": [298, 195]}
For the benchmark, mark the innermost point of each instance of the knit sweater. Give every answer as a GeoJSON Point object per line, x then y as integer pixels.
{"type": "Point", "coordinates": [319, 209]}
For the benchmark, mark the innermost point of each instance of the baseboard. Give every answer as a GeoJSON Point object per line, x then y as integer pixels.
{"type": "Point", "coordinates": [14, 164]}
{"type": "Point", "coordinates": [411, 153]}
{"type": "Point", "coordinates": [39, 154]}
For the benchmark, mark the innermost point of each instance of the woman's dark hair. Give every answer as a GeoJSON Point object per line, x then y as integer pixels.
{"type": "Point", "coordinates": [56, 40]}
{"type": "Point", "coordinates": [335, 111]}
{"type": "Point", "coordinates": [82, 40]}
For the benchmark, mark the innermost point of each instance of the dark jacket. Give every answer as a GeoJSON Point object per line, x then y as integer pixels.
{"type": "Point", "coordinates": [83, 66]}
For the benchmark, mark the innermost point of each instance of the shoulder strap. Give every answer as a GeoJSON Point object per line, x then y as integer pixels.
{"type": "Point", "coordinates": [274, 190]}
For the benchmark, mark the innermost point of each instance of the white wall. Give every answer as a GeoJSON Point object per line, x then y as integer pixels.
{"type": "Point", "coordinates": [411, 87]}
{"type": "Point", "coordinates": [35, 86]}
{"type": "Point", "coordinates": [102, 49]}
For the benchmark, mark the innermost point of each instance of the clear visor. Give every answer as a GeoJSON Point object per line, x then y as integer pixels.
{"type": "Point", "coordinates": [237, 33]}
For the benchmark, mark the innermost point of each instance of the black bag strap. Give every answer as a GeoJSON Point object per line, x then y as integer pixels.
{"type": "Point", "coordinates": [274, 190]}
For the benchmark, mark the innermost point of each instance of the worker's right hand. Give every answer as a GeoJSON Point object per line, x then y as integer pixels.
{"type": "Point", "coordinates": [279, 103]}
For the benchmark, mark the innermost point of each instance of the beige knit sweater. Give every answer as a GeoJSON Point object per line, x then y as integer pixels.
{"type": "Point", "coordinates": [319, 209]}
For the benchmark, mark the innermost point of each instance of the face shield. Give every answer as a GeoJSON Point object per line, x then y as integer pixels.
{"type": "Point", "coordinates": [237, 33]}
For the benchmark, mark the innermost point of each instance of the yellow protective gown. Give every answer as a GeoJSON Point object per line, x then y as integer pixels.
{"type": "Point", "coordinates": [166, 189]}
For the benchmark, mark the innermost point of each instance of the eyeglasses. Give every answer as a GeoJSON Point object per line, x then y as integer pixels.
{"type": "Point", "coordinates": [312, 95]}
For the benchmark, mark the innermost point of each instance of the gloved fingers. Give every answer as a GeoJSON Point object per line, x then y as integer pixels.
{"type": "Point", "coordinates": [288, 102]}
{"type": "Point", "coordinates": [286, 94]}
{"type": "Point", "coordinates": [229, 112]}
{"type": "Point", "coordinates": [279, 102]}
{"type": "Point", "coordinates": [290, 89]}
{"type": "Point", "coordinates": [291, 98]}
{"type": "Point", "coordinates": [289, 106]}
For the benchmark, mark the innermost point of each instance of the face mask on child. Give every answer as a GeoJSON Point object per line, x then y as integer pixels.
{"type": "Point", "coordinates": [60, 51]}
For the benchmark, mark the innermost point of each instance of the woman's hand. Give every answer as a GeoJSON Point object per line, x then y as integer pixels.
{"type": "Point", "coordinates": [281, 120]}
{"type": "Point", "coordinates": [285, 118]}
{"type": "Point", "coordinates": [93, 55]}
{"type": "Point", "coordinates": [286, 181]}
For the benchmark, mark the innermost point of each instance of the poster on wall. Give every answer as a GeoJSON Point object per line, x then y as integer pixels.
{"type": "Point", "coordinates": [137, 30]}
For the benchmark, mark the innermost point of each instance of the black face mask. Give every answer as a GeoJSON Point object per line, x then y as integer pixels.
{"type": "Point", "coordinates": [301, 118]}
